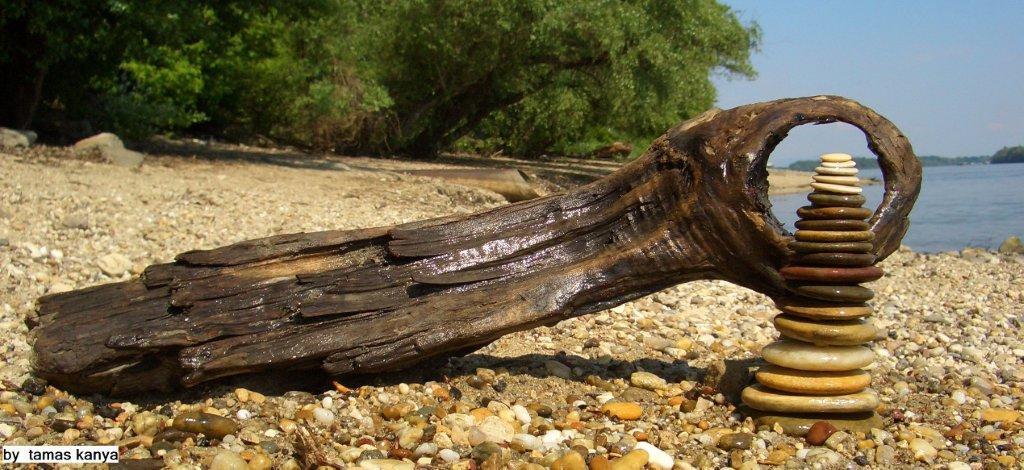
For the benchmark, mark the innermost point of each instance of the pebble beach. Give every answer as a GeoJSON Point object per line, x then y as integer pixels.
{"type": "Point", "coordinates": [652, 383]}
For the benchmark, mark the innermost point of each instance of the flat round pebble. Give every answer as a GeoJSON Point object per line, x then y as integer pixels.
{"type": "Point", "coordinates": [764, 399]}
{"type": "Point", "coordinates": [852, 225]}
{"type": "Point", "coordinates": [824, 170]}
{"type": "Point", "coordinates": [799, 424]}
{"type": "Point", "coordinates": [832, 274]}
{"type": "Point", "coordinates": [843, 180]}
{"type": "Point", "coordinates": [805, 356]}
{"type": "Point", "coordinates": [817, 310]}
{"type": "Point", "coordinates": [837, 188]}
{"type": "Point", "coordinates": [831, 213]}
{"type": "Point", "coordinates": [847, 164]}
{"type": "Point", "coordinates": [836, 157]}
{"type": "Point", "coordinates": [850, 260]}
{"type": "Point", "coordinates": [835, 247]}
{"type": "Point", "coordinates": [819, 199]}
{"type": "Point", "coordinates": [826, 333]}
{"type": "Point", "coordinates": [830, 236]}
{"type": "Point", "coordinates": [813, 382]}
{"type": "Point", "coordinates": [835, 293]}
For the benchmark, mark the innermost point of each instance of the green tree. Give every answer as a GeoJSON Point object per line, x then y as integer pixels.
{"type": "Point", "coordinates": [1009, 155]}
{"type": "Point", "coordinates": [539, 74]}
{"type": "Point", "coordinates": [398, 76]}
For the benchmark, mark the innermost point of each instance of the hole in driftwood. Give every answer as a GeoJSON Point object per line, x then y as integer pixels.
{"type": "Point", "coordinates": [808, 142]}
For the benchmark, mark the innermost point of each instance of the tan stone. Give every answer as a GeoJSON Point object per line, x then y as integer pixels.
{"type": "Point", "coordinates": [822, 310]}
{"type": "Point", "coordinates": [849, 164]}
{"type": "Point", "coordinates": [813, 382]}
{"type": "Point", "coordinates": [634, 460]}
{"type": "Point", "coordinates": [823, 170]}
{"type": "Point", "coordinates": [836, 157]}
{"type": "Point", "coordinates": [805, 356]}
{"type": "Point", "coordinates": [572, 460]}
{"type": "Point", "coordinates": [993, 415]}
{"type": "Point", "coordinates": [843, 180]}
{"type": "Point", "coordinates": [761, 398]}
{"type": "Point", "coordinates": [836, 188]}
{"type": "Point", "coordinates": [826, 333]}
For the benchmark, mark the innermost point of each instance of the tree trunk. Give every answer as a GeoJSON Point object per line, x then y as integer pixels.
{"type": "Point", "coordinates": [694, 206]}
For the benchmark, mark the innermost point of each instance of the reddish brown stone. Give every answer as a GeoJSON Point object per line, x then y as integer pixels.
{"type": "Point", "coordinates": [855, 260]}
{"type": "Point", "coordinates": [827, 274]}
{"type": "Point", "coordinates": [833, 224]}
{"type": "Point", "coordinates": [812, 212]}
{"type": "Point", "coordinates": [820, 432]}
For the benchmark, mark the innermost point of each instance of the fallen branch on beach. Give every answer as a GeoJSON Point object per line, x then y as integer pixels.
{"type": "Point", "coordinates": [693, 207]}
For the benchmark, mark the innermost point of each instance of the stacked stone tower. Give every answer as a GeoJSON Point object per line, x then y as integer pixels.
{"type": "Point", "coordinates": [816, 369]}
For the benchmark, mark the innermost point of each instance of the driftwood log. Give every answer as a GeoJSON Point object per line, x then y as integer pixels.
{"type": "Point", "coordinates": [693, 207]}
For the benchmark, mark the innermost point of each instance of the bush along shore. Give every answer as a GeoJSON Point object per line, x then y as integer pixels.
{"type": "Point", "coordinates": [651, 382]}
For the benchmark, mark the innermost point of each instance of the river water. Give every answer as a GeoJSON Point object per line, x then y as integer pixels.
{"type": "Point", "coordinates": [959, 206]}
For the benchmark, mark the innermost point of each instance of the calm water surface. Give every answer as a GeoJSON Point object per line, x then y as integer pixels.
{"type": "Point", "coordinates": [959, 206]}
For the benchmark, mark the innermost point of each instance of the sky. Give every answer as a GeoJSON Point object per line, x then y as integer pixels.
{"type": "Point", "coordinates": [949, 74]}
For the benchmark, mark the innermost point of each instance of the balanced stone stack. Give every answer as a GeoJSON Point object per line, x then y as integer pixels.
{"type": "Point", "coordinates": [816, 370]}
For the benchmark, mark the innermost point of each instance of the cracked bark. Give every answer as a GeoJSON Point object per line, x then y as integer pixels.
{"type": "Point", "coordinates": [693, 207]}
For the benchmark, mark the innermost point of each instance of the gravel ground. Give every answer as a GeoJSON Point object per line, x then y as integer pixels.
{"type": "Point", "coordinates": [647, 375]}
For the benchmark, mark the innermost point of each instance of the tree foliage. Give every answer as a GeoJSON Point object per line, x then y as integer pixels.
{"type": "Point", "coordinates": [1009, 155]}
{"type": "Point", "coordinates": [411, 76]}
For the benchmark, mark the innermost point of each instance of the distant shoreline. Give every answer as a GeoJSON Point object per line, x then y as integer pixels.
{"type": "Point", "coordinates": [786, 181]}
{"type": "Point", "coordinates": [870, 163]}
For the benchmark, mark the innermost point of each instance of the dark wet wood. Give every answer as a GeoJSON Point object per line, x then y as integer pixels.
{"type": "Point", "coordinates": [695, 206]}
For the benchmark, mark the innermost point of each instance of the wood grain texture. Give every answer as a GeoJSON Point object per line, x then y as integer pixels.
{"type": "Point", "coordinates": [694, 206]}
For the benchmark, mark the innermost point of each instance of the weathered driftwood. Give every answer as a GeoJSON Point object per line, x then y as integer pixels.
{"type": "Point", "coordinates": [693, 207]}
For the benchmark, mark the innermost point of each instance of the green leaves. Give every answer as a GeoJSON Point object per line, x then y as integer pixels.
{"type": "Point", "coordinates": [397, 76]}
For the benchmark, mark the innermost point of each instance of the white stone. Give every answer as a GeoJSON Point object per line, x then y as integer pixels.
{"type": "Point", "coordinates": [836, 188]}
{"type": "Point", "coordinates": [324, 417]}
{"type": "Point", "coordinates": [658, 458]}
{"type": "Point", "coordinates": [841, 180]}
{"type": "Point", "coordinates": [552, 439]}
{"type": "Point", "coordinates": [822, 170]}
{"type": "Point", "coordinates": [386, 464]}
{"type": "Point", "coordinates": [491, 429]}
{"type": "Point", "coordinates": [528, 441]}
{"type": "Point", "coordinates": [426, 448]}
{"type": "Point", "coordinates": [522, 414]}
{"type": "Point", "coordinates": [448, 455]}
